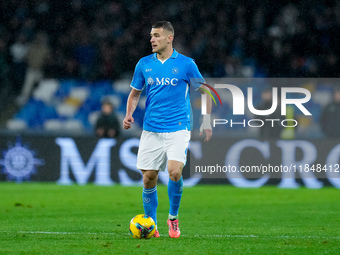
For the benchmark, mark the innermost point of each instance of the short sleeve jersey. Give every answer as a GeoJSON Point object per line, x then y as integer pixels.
{"type": "Point", "coordinates": [167, 84]}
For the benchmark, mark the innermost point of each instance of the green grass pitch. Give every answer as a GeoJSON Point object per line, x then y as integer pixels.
{"type": "Point", "coordinates": [51, 219]}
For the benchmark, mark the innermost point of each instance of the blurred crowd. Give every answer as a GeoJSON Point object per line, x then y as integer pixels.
{"type": "Point", "coordinates": [101, 39]}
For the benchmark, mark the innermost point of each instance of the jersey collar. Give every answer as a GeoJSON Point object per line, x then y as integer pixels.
{"type": "Point", "coordinates": [174, 55]}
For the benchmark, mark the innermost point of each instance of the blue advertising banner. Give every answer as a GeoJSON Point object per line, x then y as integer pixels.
{"type": "Point", "coordinates": [239, 162]}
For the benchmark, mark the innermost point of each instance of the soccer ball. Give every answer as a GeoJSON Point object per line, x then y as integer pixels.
{"type": "Point", "coordinates": [142, 226]}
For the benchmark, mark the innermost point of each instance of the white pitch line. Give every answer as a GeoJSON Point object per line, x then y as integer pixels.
{"type": "Point", "coordinates": [198, 236]}
{"type": "Point", "coordinates": [242, 236]}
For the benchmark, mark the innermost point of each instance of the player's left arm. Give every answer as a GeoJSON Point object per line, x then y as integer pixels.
{"type": "Point", "coordinates": [206, 123]}
{"type": "Point", "coordinates": [196, 79]}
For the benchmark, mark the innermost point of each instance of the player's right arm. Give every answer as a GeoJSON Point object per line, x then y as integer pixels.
{"type": "Point", "coordinates": [137, 85]}
{"type": "Point", "coordinates": [131, 107]}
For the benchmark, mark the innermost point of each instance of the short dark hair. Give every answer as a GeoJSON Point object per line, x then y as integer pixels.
{"type": "Point", "coordinates": [165, 25]}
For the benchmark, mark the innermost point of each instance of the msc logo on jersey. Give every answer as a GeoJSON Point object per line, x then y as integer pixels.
{"type": "Point", "coordinates": [163, 81]}
{"type": "Point", "coordinates": [19, 162]}
{"type": "Point", "coordinates": [167, 81]}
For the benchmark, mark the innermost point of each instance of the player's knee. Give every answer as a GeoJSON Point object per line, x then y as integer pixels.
{"type": "Point", "coordinates": [175, 170]}
{"type": "Point", "coordinates": [175, 175]}
{"type": "Point", "coordinates": [149, 179]}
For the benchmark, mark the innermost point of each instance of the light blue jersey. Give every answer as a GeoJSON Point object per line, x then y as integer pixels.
{"type": "Point", "coordinates": [167, 107]}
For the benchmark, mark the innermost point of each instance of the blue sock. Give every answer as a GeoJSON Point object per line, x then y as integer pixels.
{"type": "Point", "coordinates": [175, 190]}
{"type": "Point", "coordinates": [150, 202]}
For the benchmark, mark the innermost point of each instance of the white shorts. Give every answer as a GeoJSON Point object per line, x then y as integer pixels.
{"type": "Point", "coordinates": [156, 148]}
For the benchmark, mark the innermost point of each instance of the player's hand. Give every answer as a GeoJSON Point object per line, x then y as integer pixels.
{"type": "Point", "coordinates": [127, 122]}
{"type": "Point", "coordinates": [208, 134]}
{"type": "Point", "coordinates": [206, 126]}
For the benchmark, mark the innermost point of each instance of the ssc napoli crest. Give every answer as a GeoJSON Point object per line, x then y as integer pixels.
{"type": "Point", "coordinates": [175, 70]}
{"type": "Point", "coordinates": [19, 163]}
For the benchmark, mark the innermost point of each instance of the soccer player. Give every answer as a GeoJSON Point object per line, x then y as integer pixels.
{"type": "Point", "coordinates": [165, 75]}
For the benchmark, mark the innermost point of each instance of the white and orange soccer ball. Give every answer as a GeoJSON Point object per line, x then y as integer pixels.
{"type": "Point", "coordinates": [142, 226]}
